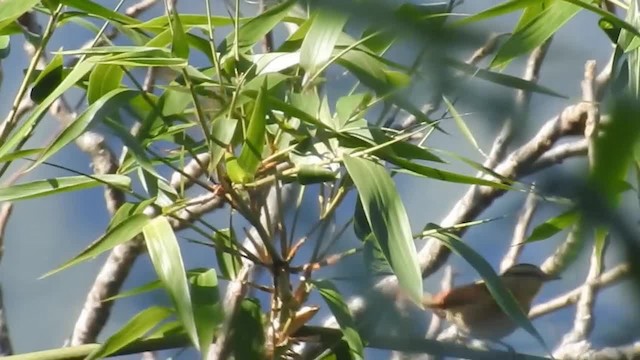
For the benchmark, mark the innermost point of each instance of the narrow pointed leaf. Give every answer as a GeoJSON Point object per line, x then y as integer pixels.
{"type": "Point", "coordinates": [98, 10]}
{"type": "Point", "coordinates": [48, 80]}
{"type": "Point", "coordinates": [248, 340]}
{"type": "Point", "coordinates": [133, 330]}
{"type": "Point", "coordinates": [166, 258]}
{"type": "Point", "coordinates": [119, 234]}
{"type": "Point", "coordinates": [502, 8]}
{"type": "Point", "coordinates": [103, 79]}
{"type": "Point", "coordinates": [340, 310]}
{"type": "Point", "coordinates": [251, 153]}
{"type": "Point", "coordinates": [25, 130]}
{"type": "Point", "coordinates": [500, 293]}
{"type": "Point", "coordinates": [59, 185]}
{"type": "Point", "coordinates": [535, 33]}
{"type": "Point", "coordinates": [554, 225]}
{"type": "Point", "coordinates": [318, 45]}
{"type": "Point", "coordinates": [229, 260]}
{"type": "Point", "coordinates": [207, 310]}
{"type": "Point", "coordinates": [10, 10]}
{"type": "Point", "coordinates": [96, 112]}
{"type": "Point", "coordinates": [179, 42]}
{"type": "Point", "coordinates": [389, 222]}
{"type": "Point", "coordinates": [464, 129]}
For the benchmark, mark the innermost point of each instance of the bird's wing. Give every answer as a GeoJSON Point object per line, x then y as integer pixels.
{"type": "Point", "coordinates": [458, 296]}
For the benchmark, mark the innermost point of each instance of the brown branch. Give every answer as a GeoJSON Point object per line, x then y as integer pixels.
{"type": "Point", "coordinates": [531, 73]}
{"type": "Point", "coordinates": [520, 232]}
{"type": "Point", "coordinates": [608, 278]}
{"type": "Point", "coordinates": [557, 155]}
{"type": "Point", "coordinates": [583, 322]}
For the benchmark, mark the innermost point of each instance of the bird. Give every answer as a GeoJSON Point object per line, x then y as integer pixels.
{"type": "Point", "coordinates": [474, 311]}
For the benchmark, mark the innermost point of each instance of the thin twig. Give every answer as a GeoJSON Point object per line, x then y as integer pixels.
{"type": "Point", "coordinates": [531, 73]}
{"type": "Point", "coordinates": [608, 278]}
{"type": "Point", "coordinates": [520, 232]}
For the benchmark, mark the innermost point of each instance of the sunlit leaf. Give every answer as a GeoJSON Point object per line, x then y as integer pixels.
{"type": "Point", "coordinates": [340, 310]}
{"type": "Point", "coordinates": [133, 330]}
{"type": "Point", "coordinates": [60, 185]}
{"type": "Point", "coordinates": [10, 10]}
{"type": "Point", "coordinates": [116, 235]}
{"type": "Point", "coordinates": [554, 225]}
{"type": "Point", "coordinates": [100, 11]}
{"type": "Point", "coordinates": [102, 80]}
{"type": "Point", "coordinates": [535, 33]}
{"type": "Point", "coordinates": [318, 45]}
{"type": "Point", "coordinates": [207, 310]}
{"type": "Point", "coordinates": [389, 222]}
{"type": "Point", "coordinates": [27, 126]}
{"type": "Point", "coordinates": [179, 43]}
{"type": "Point", "coordinates": [496, 287]}
{"type": "Point", "coordinates": [502, 8]}
{"type": "Point", "coordinates": [167, 261]}
{"type": "Point", "coordinates": [251, 153]}
{"type": "Point", "coordinates": [96, 112]}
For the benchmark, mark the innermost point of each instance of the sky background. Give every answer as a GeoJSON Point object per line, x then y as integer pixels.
{"type": "Point", "coordinates": [44, 233]}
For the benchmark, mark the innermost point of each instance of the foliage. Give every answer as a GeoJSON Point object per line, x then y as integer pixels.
{"type": "Point", "coordinates": [260, 116]}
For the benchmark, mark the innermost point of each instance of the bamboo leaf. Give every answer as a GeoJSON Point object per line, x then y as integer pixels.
{"type": "Point", "coordinates": [388, 221]}
{"type": "Point", "coordinates": [166, 258]}
{"type": "Point", "coordinates": [60, 185]}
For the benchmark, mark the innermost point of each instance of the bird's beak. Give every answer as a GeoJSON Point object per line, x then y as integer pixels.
{"type": "Point", "coordinates": [551, 277]}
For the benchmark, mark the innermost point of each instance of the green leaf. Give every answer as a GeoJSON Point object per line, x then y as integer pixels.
{"type": "Point", "coordinates": [600, 243]}
{"type": "Point", "coordinates": [554, 225]}
{"type": "Point", "coordinates": [100, 11]}
{"type": "Point", "coordinates": [503, 79]}
{"type": "Point", "coordinates": [389, 221]}
{"type": "Point", "coordinates": [96, 112]}
{"type": "Point", "coordinates": [614, 150]}
{"type": "Point", "coordinates": [222, 131]}
{"type": "Point", "coordinates": [161, 23]}
{"type": "Point", "coordinates": [150, 176]}
{"type": "Point", "coordinates": [496, 287]}
{"type": "Point", "coordinates": [116, 235]}
{"type": "Point", "coordinates": [464, 129]}
{"type": "Point", "coordinates": [103, 79]}
{"type": "Point", "coordinates": [610, 17]}
{"type": "Point", "coordinates": [349, 105]}
{"type": "Point", "coordinates": [631, 44]}
{"type": "Point", "coordinates": [317, 47]}
{"type": "Point", "coordinates": [155, 57]}
{"type": "Point", "coordinates": [153, 286]}
{"type": "Point", "coordinates": [25, 130]}
{"type": "Point", "coordinates": [60, 185]}
{"type": "Point", "coordinates": [207, 310]}
{"type": "Point", "coordinates": [535, 33]}
{"type": "Point", "coordinates": [133, 330]}
{"type": "Point", "coordinates": [251, 153]}
{"type": "Point", "coordinates": [5, 46]}
{"type": "Point", "coordinates": [409, 167]}
{"type": "Point", "coordinates": [179, 43]}
{"type": "Point", "coordinates": [11, 10]}
{"type": "Point", "coordinates": [341, 312]}
{"type": "Point", "coordinates": [166, 258]}
{"type": "Point", "coordinates": [227, 255]}
{"type": "Point", "coordinates": [48, 80]}
{"type": "Point", "coordinates": [247, 332]}
{"type": "Point", "coordinates": [503, 8]}
{"type": "Point", "coordinates": [255, 29]}
{"type": "Point", "coordinates": [20, 154]}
